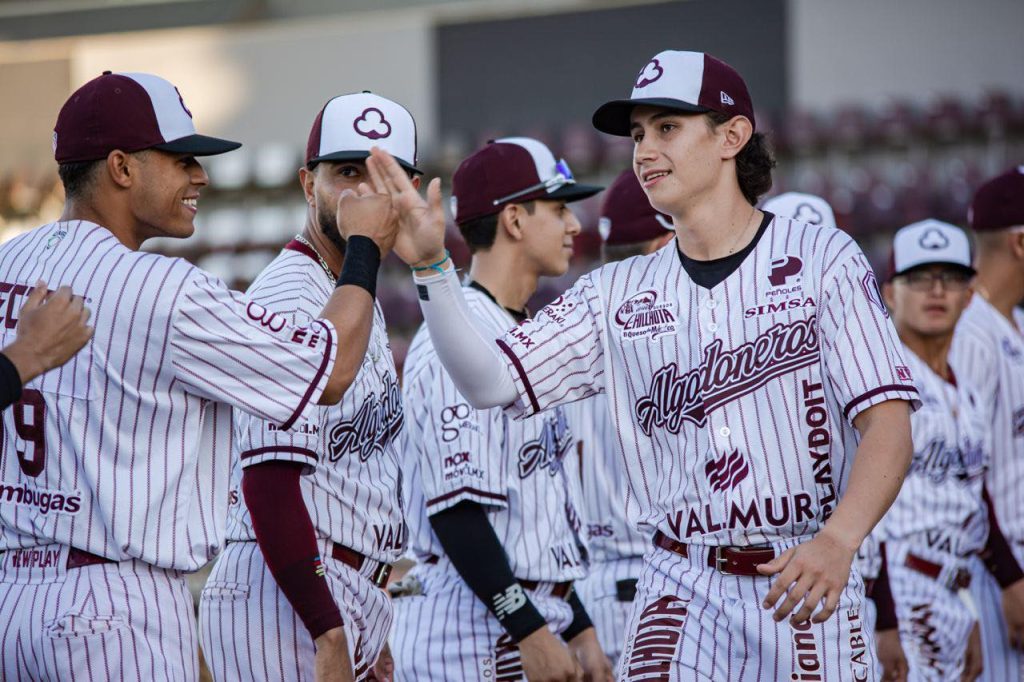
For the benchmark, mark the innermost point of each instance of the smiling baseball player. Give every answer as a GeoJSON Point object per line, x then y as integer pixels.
{"type": "Point", "coordinates": [493, 510]}
{"type": "Point", "coordinates": [988, 351]}
{"type": "Point", "coordinates": [628, 226]}
{"type": "Point", "coordinates": [320, 544]}
{"type": "Point", "coordinates": [757, 386]}
{"type": "Point", "coordinates": [115, 477]}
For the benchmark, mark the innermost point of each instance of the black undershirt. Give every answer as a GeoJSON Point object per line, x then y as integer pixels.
{"type": "Point", "coordinates": [711, 273]}
{"type": "Point", "coordinates": [517, 315]}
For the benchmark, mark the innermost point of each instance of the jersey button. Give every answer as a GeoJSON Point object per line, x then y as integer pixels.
{"type": "Point", "coordinates": [724, 431]}
{"type": "Point", "coordinates": [711, 303]}
{"type": "Point", "coordinates": [712, 327]}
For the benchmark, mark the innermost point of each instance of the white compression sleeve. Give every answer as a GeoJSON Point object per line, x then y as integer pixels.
{"type": "Point", "coordinates": [469, 355]}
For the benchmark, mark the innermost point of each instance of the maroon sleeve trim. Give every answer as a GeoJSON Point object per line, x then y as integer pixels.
{"type": "Point", "coordinates": [522, 373]}
{"type": "Point", "coordinates": [997, 554]}
{"type": "Point", "coordinates": [316, 380]}
{"type": "Point", "coordinates": [472, 491]}
{"type": "Point", "coordinates": [293, 449]}
{"type": "Point", "coordinates": [876, 391]}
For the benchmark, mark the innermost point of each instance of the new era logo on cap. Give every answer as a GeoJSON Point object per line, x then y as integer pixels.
{"type": "Point", "coordinates": [685, 81]}
{"type": "Point", "coordinates": [927, 242]}
{"type": "Point", "coordinates": [130, 112]}
{"type": "Point", "coordinates": [349, 125]}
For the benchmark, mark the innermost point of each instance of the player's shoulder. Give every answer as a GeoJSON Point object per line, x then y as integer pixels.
{"type": "Point", "coordinates": [814, 243]}
{"type": "Point", "coordinates": [976, 321]}
{"type": "Point", "coordinates": [291, 283]}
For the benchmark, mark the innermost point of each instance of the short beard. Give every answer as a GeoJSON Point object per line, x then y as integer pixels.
{"type": "Point", "coordinates": [328, 224]}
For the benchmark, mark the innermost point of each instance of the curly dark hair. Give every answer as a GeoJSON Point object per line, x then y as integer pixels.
{"type": "Point", "coordinates": [754, 163]}
{"type": "Point", "coordinates": [77, 177]}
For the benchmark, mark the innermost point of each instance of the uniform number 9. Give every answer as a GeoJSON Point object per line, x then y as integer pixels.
{"type": "Point", "coordinates": [29, 415]}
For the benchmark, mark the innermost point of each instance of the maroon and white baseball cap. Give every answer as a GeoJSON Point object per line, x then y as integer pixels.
{"type": "Point", "coordinates": [807, 208]}
{"type": "Point", "coordinates": [627, 216]}
{"type": "Point", "coordinates": [929, 242]}
{"type": "Point", "coordinates": [130, 112]}
{"type": "Point", "coordinates": [693, 82]}
{"type": "Point", "coordinates": [349, 125]}
{"type": "Point", "coordinates": [511, 170]}
{"type": "Point", "coordinates": [999, 203]}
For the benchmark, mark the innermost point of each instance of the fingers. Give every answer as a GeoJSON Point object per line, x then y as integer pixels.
{"type": "Point", "coordinates": [811, 602]}
{"type": "Point", "coordinates": [776, 564]}
{"type": "Point", "coordinates": [831, 602]}
{"type": "Point", "coordinates": [796, 594]}
{"type": "Point", "coordinates": [393, 172]}
{"type": "Point", "coordinates": [35, 297]}
{"type": "Point", "coordinates": [380, 173]}
{"type": "Point", "coordinates": [364, 190]}
{"type": "Point", "coordinates": [782, 584]}
{"type": "Point", "coordinates": [434, 198]}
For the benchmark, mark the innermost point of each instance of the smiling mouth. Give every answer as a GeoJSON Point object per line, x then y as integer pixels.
{"type": "Point", "coordinates": [191, 203]}
{"type": "Point", "coordinates": [651, 177]}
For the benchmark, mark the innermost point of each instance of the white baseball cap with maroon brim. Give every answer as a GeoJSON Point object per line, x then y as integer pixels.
{"type": "Point", "coordinates": [929, 242]}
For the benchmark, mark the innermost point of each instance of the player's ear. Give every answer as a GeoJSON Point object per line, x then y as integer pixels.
{"type": "Point", "coordinates": [307, 179]}
{"type": "Point", "coordinates": [416, 181]}
{"type": "Point", "coordinates": [118, 168]}
{"type": "Point", "coordinates": [735, 133]}
{"type": "Point", "coordinates": [509, 221]}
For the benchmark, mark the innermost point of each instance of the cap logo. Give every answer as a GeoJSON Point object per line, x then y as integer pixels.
{"type": "Point", "coordinates": [807, 214]}
{"type": "Point", "coordinates": [724, 97]}
{"type": "Point", "coordinates": [54, 141]}
{"type": "Point", "coordinates": [933, 240]}
{"type": "Point", "coordinates": [604, 227]}
{"type": "Point", "coordinates": [454, 205]}
{"type": "Point", "coordinates": [182, 101]}
{"type": "Point", "coordinates": [650, 73]}
{"type": "Point", "coordinates": [372, 124]}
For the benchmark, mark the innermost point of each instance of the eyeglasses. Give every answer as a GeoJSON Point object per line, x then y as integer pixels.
{"type": "Point", "coordinates": [562, 177]}
{"type": "Point", "coordinates": [950, 280]}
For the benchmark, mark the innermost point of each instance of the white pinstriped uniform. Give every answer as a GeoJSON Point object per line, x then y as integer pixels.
{"type": "Point", "coordinates": [515, 469]}
{"type": "Point", "coordinates": [989, 352]}
{"type": "Point", "coordinates": [352, 492]}
{"type": "Point", "coordinates": [939, 515]}
{"type": "Point", "coordinates": [125, 451]}
{"type": "Point", "coordinates": [733, 408]}
{"type": "Point", "coordinates": [616, 547]}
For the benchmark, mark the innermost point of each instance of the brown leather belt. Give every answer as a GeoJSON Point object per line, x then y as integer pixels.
{"type": "Point", "coordinates": [960, 580]}
{"type": "Point", "coordinates": [560, 590]}
{"type": "Point", "coordinates": [731, 560]}
{"type": "Point", "coordinates": [352, 558]}
{"type": "Point", "coordinates": [78, 558]}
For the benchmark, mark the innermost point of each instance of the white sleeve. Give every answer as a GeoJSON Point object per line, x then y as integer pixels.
{"type": "Point", "coordinates": [469, 355]}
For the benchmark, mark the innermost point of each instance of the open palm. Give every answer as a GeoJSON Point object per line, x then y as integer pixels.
{"type": "Point", "coordinates": [421, 222]}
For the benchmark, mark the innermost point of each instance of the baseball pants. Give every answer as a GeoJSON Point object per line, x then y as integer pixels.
{"type": "Point", "coordinates": [250, 631]}
{"type": "Point", "coordinates": [112, 621]}
{"type": "Point", "coordinates": [694, 623]}
{"type": "Point", "coordinates": [446, 634]}
{"type": "Point", "coordinates": [1002, 662]}
{"type": "Point", "coordinates": [600, 594]}
{"type": "Point", "coordinates": [934, 621]}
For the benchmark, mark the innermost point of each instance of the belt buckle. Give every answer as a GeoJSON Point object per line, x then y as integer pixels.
{"type": "Point", "coordinates": [381, 573]}
{"type": "Point", "coordinates": [721, 562]}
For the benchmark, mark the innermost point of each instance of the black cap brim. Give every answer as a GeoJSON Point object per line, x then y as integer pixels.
{"type": "Point", "coordinates": [570, 193]}
{"type": "Point", "coordinates": [960, 266]}
{"type": "Point", "coordinates": [361, 156]}
{"type": "Point", "coordinates": [198, 145]}
{"type": "Point", "coordinates": [613, 117]}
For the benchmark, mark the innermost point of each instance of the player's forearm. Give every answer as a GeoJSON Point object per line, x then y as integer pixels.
{"type": "Point", "coordinates": [470, 358]}
{"type": "Point", "coordinates": [879, 466]}
{"type": "Point", "coordinates": [350, 310]}
{"type": "Point", "coordinates": [11, 378]}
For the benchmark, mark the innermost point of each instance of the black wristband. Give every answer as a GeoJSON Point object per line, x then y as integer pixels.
{"type": "Point", "coordinates": [362, 261]}
{"type": "Point", "coordinates": [10, 382]}
{"type": "Point", "coordinates": [580, 618]}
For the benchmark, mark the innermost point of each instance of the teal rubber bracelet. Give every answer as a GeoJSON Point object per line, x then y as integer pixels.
{"type": "Point", "coordinates": [436, 266]}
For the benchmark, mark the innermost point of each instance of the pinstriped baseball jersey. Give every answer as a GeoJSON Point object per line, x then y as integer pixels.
{"type": "Point", "coordinates": [988, 352]}
{"type": "Point", "coordinates": [353, 491]}
{"type": "Point", "coordinates": [125, 451]}
{"type": "Point", "coordinates": [514, 468]}
{"type": "Point", "coordinates": [610, 534]}
{"type": "Point", "coordinates": [940, 502]}
{"type": "Point", "coordinates": [733, 405]}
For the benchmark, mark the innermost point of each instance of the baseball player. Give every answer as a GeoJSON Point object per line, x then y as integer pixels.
{"type": "Point", "coordinates": [988, 351]}
{"type": "Point", "coordinates": [114, 479]}
{"type": "Point", "coordinates": [938, 525]}
{"type": "Point", "coordinates": [492, 510]}
{"type": "Point", "coordinates": [757, 386]}
{"type": "Point", "coordinates": [320, 546]}
{"type": "Point", "coordinates": [49, 331]}
{"type": "Point", "coordinates": [628, 226]}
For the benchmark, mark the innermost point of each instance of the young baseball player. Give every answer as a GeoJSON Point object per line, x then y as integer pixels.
{"type": "Point", "coordinates": [938, 525]}
{"type": "Point", "coordinates": [114, 482]}
{"type": "Point", "coordinates": [320, 546]}
{"type": "Point", "coordinates": [628, 226]}
{"type": "Point", "coordinates": [492, 510]}
{"type": "Point", "coordinates": [988, 351]}
{"type": "Point", "coordinates": [758, 389]}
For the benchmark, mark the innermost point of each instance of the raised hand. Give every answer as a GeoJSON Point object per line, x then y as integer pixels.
{"type": "Point", "coordinates": [420, 238]}
{"type": "Point", "coordinates": [369, 214]}
{"type": "Point", "coordinates": [50, 332]}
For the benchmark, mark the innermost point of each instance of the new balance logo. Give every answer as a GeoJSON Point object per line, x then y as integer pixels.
{"type": "Point", "coordinates": [726, 99]}
{"type": "Point", "coordinates": [509, 601]}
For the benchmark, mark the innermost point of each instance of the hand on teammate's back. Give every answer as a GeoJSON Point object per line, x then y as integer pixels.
{"type": "Point", "coordinates": [1013, 610]}
{"type": "Point", "coordinates": [421, 221]}
{"type": "Point", "coordinates": [546, 659]}
{"type": "Point", "coordinates": [50, 331]}
{"type": "Point", "coordinates": [891, 656]}
{"type": "Point", "coordinates": [592, 659]}
{"type": "Point", "coordinates": [369, 214]}
{"type": "Point", "coordinates": [813, 571]}
{"type": "Point", "coordinates": [332, 662]}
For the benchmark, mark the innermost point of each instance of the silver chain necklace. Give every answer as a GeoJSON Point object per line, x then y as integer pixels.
{"type": "Point", "coordinates": [302, 240]}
